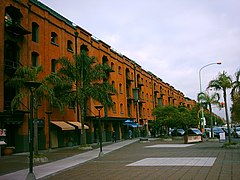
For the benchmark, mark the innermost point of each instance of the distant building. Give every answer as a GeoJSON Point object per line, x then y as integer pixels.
{"type": "Point", "coordinates": [32, 34]}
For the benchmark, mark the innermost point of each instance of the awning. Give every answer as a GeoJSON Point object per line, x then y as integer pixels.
{"type": "Point", "coordinates": [63, 125]}
{"type": "Point", "coordinates": [78, 124]}
{"type": "Point", "coordinates": [132, 124]}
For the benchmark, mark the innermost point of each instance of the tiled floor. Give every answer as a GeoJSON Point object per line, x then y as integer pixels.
{"type": "Point", "coordinates": [183, 161]}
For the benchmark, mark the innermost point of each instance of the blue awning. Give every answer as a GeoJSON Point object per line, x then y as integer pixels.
{"type": "Point", "coordinates": [132, 124]}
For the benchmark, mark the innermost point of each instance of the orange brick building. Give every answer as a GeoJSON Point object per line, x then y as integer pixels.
{"type": "Point", "coordinates": [32, 34]}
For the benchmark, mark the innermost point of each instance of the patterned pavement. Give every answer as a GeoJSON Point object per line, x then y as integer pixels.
{"type": "Point", "coordinates": [155, 159]}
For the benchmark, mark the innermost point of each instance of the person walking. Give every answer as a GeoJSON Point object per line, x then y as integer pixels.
{"type": "Point", "coordinates": [114, 136]}
{"type": "Point", "coordinates": [130, 134]}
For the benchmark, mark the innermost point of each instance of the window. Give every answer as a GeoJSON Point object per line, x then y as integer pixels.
{"type": "Point", "coordinates": [54, 38]}
{"type": "Point", "coordinates": [34, 59]}
{"type": "Point", "coordinates": [69, 45]}
{"type": "Point", "coordinates": [112, 66]}
{"type": "Point", "coordinates": [120, 88]}
{"type": "Point", "coordinates": [104, 60]}
{"type": "Point", "coordinates": [121, 108]}
{"type": "Point", "coordinates": [119, 70]}
{"type": "Point", "coordinates": [84, 48]}
{"type": "Point", "coordinates": [114, 107]}
{"type": "Point", "coordinates": [113, 84]}
{"type": "Point", "coordinates": [35, 28]}
{"type": "Point", "coordinates": [54, 65]}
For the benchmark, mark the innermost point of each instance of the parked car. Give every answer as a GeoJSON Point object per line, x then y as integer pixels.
{"type": "Point", "coordinates": [177, 132]}
{"type": "Point", "coordinates": [226, 131]}
{"type": "Point", "coordinates": [194, 131]}
{"type": "Point", "coordinates": [217, 131]}
{"type": "Point", "coordinates": [237, 132]}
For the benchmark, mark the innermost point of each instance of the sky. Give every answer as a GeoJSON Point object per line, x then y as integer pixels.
{"type": "Point", "coordinates": [173, 39]}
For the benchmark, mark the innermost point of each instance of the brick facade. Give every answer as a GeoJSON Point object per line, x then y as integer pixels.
{"type": "Point", "coordinates": [56, 37]}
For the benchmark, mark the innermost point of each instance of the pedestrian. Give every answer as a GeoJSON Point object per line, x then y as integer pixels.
{"type": "Point", "coordinates": [114, 136]}
{"type": "Point", "coordinates": [130, 134]}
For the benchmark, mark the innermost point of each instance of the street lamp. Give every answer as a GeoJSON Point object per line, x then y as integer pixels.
{"type": "Point", "coordinates": [99, 107]}
{"type": "Point", "coordinates": [200, 83]}
{"type": "Point", "coordinates": [32, 86]}
{"type": "Point", "coordinates": [49, 129]}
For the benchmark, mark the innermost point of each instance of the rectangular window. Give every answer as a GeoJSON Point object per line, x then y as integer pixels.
{"type": "Point", "coordinates": [35, 28]}
{"type": "Point", "coordinates": [53, 65]}
{"type": "Point", "coordinates": [34, 59]}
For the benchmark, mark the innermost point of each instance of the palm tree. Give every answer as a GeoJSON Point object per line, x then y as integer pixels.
{"type": "Point", "coordinates": [208, 100]}
{"type": "Point", "coordinates": [223, 82]}
{"type": "Point", "coordinates": [24, 74]}
{"type": "Point", "coordinates": [87, 77]}
{"type": "Point", "coordinates": [235, 96]}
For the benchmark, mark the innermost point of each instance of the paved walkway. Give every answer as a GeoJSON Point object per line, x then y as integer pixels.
{"type": "Point", "coordinates": [63, 164]}
{"type": "Point", "coordinates": [151, 160]}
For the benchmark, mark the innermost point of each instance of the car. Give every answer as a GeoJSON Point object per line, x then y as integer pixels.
{"type": "Point", "coordinates": [237, 132]}
{"type": "Point", "coordinates": [217, 131]}
{"type": "Point", "coordinates": [226, 130]}
{"type": "Point", "coordinates": [193, 131]}
{"type": "Point", "coordinates": [177, 132]}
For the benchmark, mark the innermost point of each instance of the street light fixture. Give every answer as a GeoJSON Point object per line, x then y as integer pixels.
{"type": "Point", "coordinates": [32, 86]}
{"type": "Point", "coordinates": [49, 129]}
{"type": "Point", "coordinates": [200, 83]}
{"type": "Point", "coordinates": [99, 107]}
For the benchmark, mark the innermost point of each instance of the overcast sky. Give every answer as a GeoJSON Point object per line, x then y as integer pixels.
{"type": "Point", "coordinates": [171, 38]}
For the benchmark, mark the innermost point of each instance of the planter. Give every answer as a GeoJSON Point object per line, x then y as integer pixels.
{"type": "Point", "coordinates": [8, 151]}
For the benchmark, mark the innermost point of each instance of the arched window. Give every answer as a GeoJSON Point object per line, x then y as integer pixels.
{"type": "Point", "coordinates": [112, 66]}
{"type": "Point", "coordinates": [54, 65]}
{"type": "Point", "coordinates": [121, 108]}
{"type": "Point", "coordinates": [114, 107]}
{"type": "Point", "coordinates": [104, 60]}
{"type": "Point", "coordinates": [119, 70]}
{"type": "Point", "coordinates": [35, 56]}
{"type": "Point", "coordinates": [84, 48]}
{"type": "Point", "coordinates": [35, 28]}
{"type": "Point", "coordinates": [120, 88]}
{"type": "Point", "coordinates": [113, 84]}
{"type": "Point", "coordinates": [54, 38]}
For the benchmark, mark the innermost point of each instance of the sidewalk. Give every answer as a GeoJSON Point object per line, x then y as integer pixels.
{"type": "Point", "coordinates": [160, 160]}
{"type": "Point", "coordinates": [155, 159]}
{"type": "Point", "coordinates": [47, 169]}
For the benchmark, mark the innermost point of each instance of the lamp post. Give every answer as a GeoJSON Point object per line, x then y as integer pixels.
{"type": "Point", "coordinates": [200, 83]}
{"type": "Point", "coordinates": [49, 129]}
{"type": "Point", "coordinates": [32, 86]}
{"type": "Point", "coordinates": [99, 107]}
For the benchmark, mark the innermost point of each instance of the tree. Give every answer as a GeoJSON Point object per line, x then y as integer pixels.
{"type": "Point", "coordinates": [24, 74]}
{"type": "Point", "coordinates": [208, 100]}
{"type": "Point", "coordinates": [223, 82]}
{"type": "Point", "coordinates": [88, 78]}
{"type": "Point", "coordinates": [173, 116]}
{"type": "Point", "coordinates": [235, 96]}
